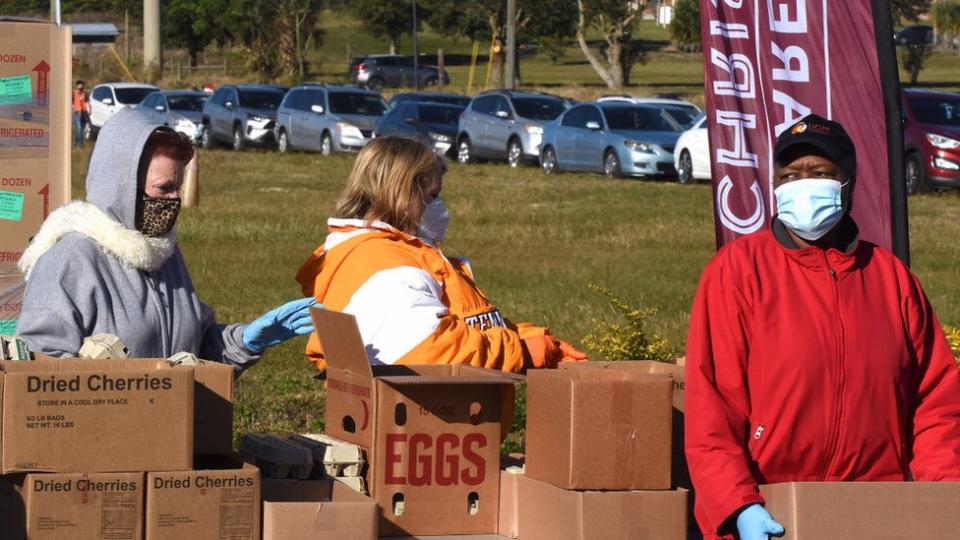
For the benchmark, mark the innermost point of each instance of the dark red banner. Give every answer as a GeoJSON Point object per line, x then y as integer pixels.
{"type": "Point", "coordinates": [769, 63]}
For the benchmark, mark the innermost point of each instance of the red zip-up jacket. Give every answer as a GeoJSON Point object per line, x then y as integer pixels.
{"type": "Point", "coordinates": [813, 365]}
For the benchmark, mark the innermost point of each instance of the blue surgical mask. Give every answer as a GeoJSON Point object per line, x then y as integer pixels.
{"type": "Point", "coordinates": [434, 222]}
{"type": "Point", "coordinates": [810, 207]}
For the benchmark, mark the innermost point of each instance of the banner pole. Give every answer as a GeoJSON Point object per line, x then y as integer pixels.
{"type": "Point", "coordinates": [890, 83]}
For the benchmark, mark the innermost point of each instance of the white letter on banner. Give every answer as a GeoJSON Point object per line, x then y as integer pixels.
{"type": "Point", "coordinates": [791, 53]}
{"type": "Point", "coordinates": [730, 220]}
{"type": "Point", "coordinates": [731, 3]}
{"type": "Point", "coordinates": [784, 24]}
{"type": "Point", "coordinates": [740, 122]}
{"type": "Point", "coordinates": [729, 30]}
{"type": "Point", "coordinates": [736, 62]}
{"type": "Point", "coordinates": [790, 106]}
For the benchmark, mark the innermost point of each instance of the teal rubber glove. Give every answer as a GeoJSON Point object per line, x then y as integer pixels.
{"type": "Point", "coordinates": [278, 325]}
{"type": "Point", "coordinates": [755, 523]}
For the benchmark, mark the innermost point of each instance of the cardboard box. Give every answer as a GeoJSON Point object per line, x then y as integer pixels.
{"type": "Point", "coordinates": [83, 506]}
{"type": "Point", "coordinates": [11, 300]}
{"type": "Point", "coordinates": [594, 428]}
{"type": "Point", "coordinates": [887, 510]}
{"type": "Point", "coordinates": [552, 513]}
{"type": "Point", "coordinates": [213, 409]}
{"type": "Point", "coordinates": [509, 520]}
{"type": "Point", "coordinates": [432, 433]}
{"type": "Point", "coordinates": [317, 510]}
{"type": "Point", "coordinates": [36, 68]}
{"type": "Point", "coordinates": [96, 416]}
{"type": "Point", "coordinates": [210, 503]}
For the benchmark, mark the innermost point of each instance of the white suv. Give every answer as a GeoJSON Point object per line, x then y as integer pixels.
{"type": "Point", "coordinates": [108, 98]}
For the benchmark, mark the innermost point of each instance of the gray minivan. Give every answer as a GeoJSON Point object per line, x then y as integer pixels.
{"type": "Point", "coordinates": [327, 119]}
{"type": "Point", "coordinates": [506, 124]}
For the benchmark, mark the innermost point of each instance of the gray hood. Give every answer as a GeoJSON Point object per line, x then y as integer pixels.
{"type": "Point", "coordinates": [112, 175]}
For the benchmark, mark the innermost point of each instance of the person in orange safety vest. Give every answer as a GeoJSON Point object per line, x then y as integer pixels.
{"type": "Point", "coordinates": [382, 264]}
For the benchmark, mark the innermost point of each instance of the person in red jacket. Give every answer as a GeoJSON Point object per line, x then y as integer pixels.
{"type": "Point", "coordinates": [812, 355]}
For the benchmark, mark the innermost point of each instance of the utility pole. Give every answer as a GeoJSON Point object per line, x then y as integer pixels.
{"type": "Point", "coordinates": [151, 37]}
{"type": "Point", "coordinates": [416, 53]}
{"type": "Point", "coordinates": [510, 68]}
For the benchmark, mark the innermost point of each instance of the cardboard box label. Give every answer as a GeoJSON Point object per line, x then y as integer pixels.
{"type": "Point", "coordinates": [220, 503]}
{"type": "Point", "coordinates": [15, 90]}
{"type": "Point", "coordinates": [11, 205]}
{"type": "Point", "coordinates": [104, 506]}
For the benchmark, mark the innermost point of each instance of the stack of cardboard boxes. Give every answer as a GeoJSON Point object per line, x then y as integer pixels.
{"type": "Point", "coordinates": [35, 72]}
{"type": "Point", "coordinates": [599, 454]}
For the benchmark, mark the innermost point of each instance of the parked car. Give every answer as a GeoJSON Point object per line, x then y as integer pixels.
{"type": "Point", "coordinates": [328, 119]}
{"type": "Point", "coordinates": [379, 70]}
{"type": "Point", "coordinates": [108, 98]}
{"type": "Point", "coordinates": [918, 34]}
{"type": "Point", "coordinates": [434, 123]}
{"type": "Point", "coordinates": [433, 97]}
{"type": "Point", "coordinates": [180, 109]}
{"type": "Point", "coordinates": [683, 111]}
{"type": "Point", "coordinates": [931, 136]}
{"type": "Point", "coordinates": [241, 115]}
{"type": "Point", "coordinates": [506, 124]}
{"type": "Point", "coordinates": [691, 157]}
{"type": "Point", "coordinates": [616, 138]}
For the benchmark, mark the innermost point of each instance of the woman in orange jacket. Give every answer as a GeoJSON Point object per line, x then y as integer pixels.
{"type": "Point", "coordinates": [381, 263]}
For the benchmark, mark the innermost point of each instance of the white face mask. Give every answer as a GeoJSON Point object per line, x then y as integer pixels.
{"type": "Point", "coordinates": [434, 222]}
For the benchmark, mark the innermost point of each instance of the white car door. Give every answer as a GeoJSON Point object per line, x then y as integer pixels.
{"type": "Point", "coordinates": [101, 101]}
{"type": "Point", "coordinates": [700, 151]}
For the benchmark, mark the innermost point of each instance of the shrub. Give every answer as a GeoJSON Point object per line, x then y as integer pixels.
{"type": "Point", "coordinates": [629, 339]}
{"type": "Point", "coordinates": [953, 338]}
{"type": "Point", "coordinates": [912, 59]}
{"type": "Point", "coordinates": [685, 25]}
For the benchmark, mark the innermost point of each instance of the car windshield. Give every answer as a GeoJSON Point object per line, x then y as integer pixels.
{"type": "Point", "coordinates": [463, 101]}
{"type": "Point", "coordinates": [187, 103]}
{"type": "Point", "coordinates": [261, 99]}
{"type": "Point", "coordinates": [685, 115]}
{"type": "Point", "coordinates": [936, 110]}
{"type": "Point", "coordinates": [439, 114]}
{"type": "Point", "coordinates": [641, 118]}
{"type": "Point", "coordinates": [538, 108]}
{"type": "Point", "coordinates": [356, 103]}
{"type": "Point", "coordinates": [132, 96]}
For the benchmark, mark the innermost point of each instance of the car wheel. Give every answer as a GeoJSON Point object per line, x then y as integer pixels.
{"type": "Point", "coordinates": [283, 143]}
{"type": "Point", "coordinates": [326, 144]}
{"type": "Point", "coordinates": [914, 174]}
{"type": "Point", "coordinates": [548, 161]}
{"type": "Point", "coordinates": [464, 151]}
{"type": "Point", "coordinates": [206, 138]}
{"type": "Point", "coordinates": [238, 138]}
{"type": "Point", "coordinates": [375, 83]}
{"type": "Point", "coordinates": [611, 165]}
{"type": "Point", "coordinates": [514, 153]}
{"type": "Point", "coordinates": [431, 81]}
{"type": "Point", "coordinates": [685, 169]}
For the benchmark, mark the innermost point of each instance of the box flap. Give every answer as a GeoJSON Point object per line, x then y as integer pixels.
{"type": "Point", "coordinates": [340, 338]}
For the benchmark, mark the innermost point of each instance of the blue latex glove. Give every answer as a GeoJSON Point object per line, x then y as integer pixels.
{"type": "Point", "coordinates": [755, 523]}
{"type": "Point", "coordinates": [278, 325]}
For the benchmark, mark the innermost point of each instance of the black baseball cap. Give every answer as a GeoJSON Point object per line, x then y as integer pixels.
{"type": "Point", "coordinates": [827, 136]}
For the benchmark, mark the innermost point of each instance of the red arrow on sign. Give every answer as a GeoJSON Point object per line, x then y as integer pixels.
{"type": "Point", "coordinates": [42, 70]}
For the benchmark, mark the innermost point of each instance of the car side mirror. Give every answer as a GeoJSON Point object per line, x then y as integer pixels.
{"type": "Point", "coordinates": [317, 109]}
{"type": "Point", "coordinates": [503, 114]}
{"type": "Point", "coordinates": [160, 108]}
{"type": "Point", "coordinates": [228, 104]}
{"type": "Point", "coordinates": [108, 101]}
{"type": "Point", "coordinates": [593, 125]}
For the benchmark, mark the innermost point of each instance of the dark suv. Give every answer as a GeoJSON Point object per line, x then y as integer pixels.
{"type": "Point", "coordinates": [378, 70]}
{"type": "Point", "coordinates": [931, 136]}
{"type": "Point", "coordinates": [241, 115]}
{"type": "Point", "coordinates": [506, 124]}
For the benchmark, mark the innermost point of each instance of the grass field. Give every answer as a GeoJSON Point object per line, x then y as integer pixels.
{"type": "Point", "coordinates": [535, 242]}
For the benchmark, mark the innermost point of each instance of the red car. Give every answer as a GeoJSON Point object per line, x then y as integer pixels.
{"type": "Point", "coordinates": [931, 133]}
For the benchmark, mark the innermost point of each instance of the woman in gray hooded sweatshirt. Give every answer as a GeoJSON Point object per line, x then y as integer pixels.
{"type": "Point", "coordinates": [112, 265]}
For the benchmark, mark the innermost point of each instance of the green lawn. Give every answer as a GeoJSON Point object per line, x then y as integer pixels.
{"type": "Point", "coordinates": [535, 242]}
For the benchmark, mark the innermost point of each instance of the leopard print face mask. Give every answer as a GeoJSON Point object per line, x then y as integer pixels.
{"type": "Point", "coordinates": [157, 216]}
